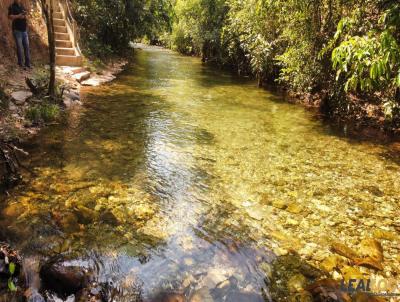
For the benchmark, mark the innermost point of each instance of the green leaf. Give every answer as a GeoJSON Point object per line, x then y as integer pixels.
{"type": "Point", "coordinates": [11, 268]}
{"type": "Point", "coordinates": [373, 72]}
{"type": "Point", "coordinates": [398, 79]}
{"type": "Point", "coordinates": [11, 285]}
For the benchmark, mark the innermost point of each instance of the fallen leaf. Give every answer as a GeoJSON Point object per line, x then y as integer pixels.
{"type": "Point", "coordinates": [343, 250]}
{"type": "Point", "coordinates": [369, 262]}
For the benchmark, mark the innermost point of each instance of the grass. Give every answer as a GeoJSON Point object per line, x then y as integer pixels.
{"type": "Point", "coordinates": [43, 113]}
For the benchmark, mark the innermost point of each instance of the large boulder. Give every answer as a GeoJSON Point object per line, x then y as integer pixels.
{"type": "Point", "coordinates": [62, 278]}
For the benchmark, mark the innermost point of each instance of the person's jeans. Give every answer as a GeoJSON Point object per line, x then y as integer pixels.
{"type": "Point", "coordinates": [22, 42]}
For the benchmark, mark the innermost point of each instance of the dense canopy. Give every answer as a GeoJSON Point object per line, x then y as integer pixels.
{"type": "Point", "coordinates": [342, 50]}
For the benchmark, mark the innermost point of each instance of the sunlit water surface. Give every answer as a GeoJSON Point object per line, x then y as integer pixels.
{"type": "Point", "coordinates": [176, 177]}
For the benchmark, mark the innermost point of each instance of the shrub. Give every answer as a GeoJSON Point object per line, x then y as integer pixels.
{"type": "Point", "coordinates": [43, 113]}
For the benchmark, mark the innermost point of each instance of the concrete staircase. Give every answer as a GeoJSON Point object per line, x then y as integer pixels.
{"type": "Point", "coordinates": [67, 52]}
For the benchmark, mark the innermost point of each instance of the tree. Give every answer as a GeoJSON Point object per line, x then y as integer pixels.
{"type": "Point", "coordinates": [47, 9]}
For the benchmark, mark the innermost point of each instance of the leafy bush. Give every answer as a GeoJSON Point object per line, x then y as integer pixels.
{"type": "Point", "coordinates": [40, 78]}
{"type": "Point", "coordinates": [370, 63]}
{"type": "Point", "coordinates": [43, 113]}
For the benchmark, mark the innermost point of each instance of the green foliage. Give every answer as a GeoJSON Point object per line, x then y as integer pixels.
{"type": "Point", "coordinates": [249, 37]}
{"type": "Point", "coordinates": [40, 79]}
{"type": "Point", "coordinates": [197, 27]}
{"type": "Point", "coordinates": [370, 62]}
{"type": "Point", "coordinates": [11, 268]}
{"type": "Point", "coordinates": [275, 40]}
{"type": "Point", "coordinates": [300, 44]}
{"type": "Point", "coordinates": [43, 113]}
{"type": "Point", "coordinates": [10, 283]}
{"type": "Point", "coordinates": [107, 27]}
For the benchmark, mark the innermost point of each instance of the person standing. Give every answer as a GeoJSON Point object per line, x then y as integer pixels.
{"type": "Point", "coordinates": [18, 15]}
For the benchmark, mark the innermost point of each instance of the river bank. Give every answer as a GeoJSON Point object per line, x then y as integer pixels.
{"type": "Point", "coordinates": [16, 97]}
{"type": "Point", "coordinates": [361, 117]}
{"type": "Point", "coordinates": [23, 114]}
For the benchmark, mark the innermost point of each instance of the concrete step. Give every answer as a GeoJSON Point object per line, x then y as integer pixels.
{"type": "Point", "coordinates": [58, 15]}
{"type": "Point", "coordinates": [65, 51]}
{"type": "Point", "coordinates": [64, 60]}
{"type": "Point", "coordinates": [60, 29]}
{"type": "Point", "coordinates": [63, 44]}
{"type": "Point", "coordinates": [59, 22]}
{"type": "Point", "coordinates": [82, 76]}
{"type": "Point", "coordinates": [62, 36]}
{"type": "Point", "coordinates": [75, 70]}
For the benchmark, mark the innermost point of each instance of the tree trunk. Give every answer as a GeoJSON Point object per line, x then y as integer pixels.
{"type": "Point", "coordinates": [48, 15]}
{"type": "Point", "coordinates": [52, 53]}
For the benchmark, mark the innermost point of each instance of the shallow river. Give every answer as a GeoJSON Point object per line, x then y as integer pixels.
{"type": "Point", "coordinates": [180, 178]}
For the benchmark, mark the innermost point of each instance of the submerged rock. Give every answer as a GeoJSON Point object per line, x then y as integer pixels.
{"type": "Point", "coordinates": [33, 296]}
{"type": "Point", "coordinates": [289, 275]}
{"type": "Point", "coordinates": [326, 289]}
{"type": "Point", "coordinates": [13, 210]}
{"type": "Point", "coordinates": [85, 215]}
{"type": "Point", "coordinates": [371, 248]}
{"type": "Point", "coordinates": [296, 283]}
{"type": "Point", "coordinates": [202, 295]}
{"type": "Point", "coordinates": [169, 297]}
{"type": "Point", "coordinates": [303, 296]}
{"type": "Point", "coordinates": [62, 279]}
{"type": "Point", "coordinates": [294, 208]}
{"type": "Point", "coordinates": [280, 204]}
{"type": "Point", "coordinates": [109, 218]}
{"type": "Point", "coordinates": [69, 223]}
{"type": "Point", "coordinates": [332, 262]}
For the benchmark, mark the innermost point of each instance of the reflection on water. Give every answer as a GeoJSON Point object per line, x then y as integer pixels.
{"type": "Point", "coordinates": [179, 178]}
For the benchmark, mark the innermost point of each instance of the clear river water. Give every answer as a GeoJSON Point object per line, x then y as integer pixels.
{"type": "Point", "coordinates": [179, 178]}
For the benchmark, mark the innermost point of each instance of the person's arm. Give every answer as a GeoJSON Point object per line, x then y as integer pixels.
{"type": "Point", "coordinates": [12, 17]}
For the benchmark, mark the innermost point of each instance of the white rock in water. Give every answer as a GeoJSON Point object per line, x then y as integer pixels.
{"type": "Point", "coordinates": [98, 80]}
{"type": "Point", "coordinates": [20, 96]}
{"type": "Point", "coordinates": [91, 82]}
